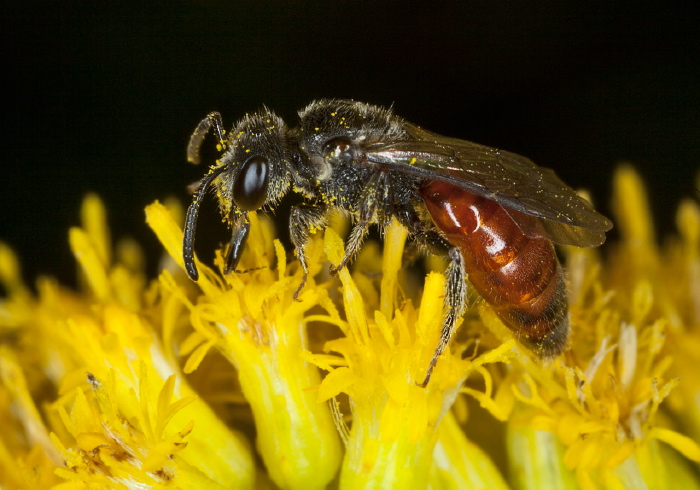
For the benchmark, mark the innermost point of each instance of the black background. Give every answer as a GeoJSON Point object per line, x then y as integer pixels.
{"type": "Point", "coordinates": [100, 96]}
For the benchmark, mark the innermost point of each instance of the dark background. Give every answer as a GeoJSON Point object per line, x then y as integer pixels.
{"type": "Point", "coordinates": [103, 97]}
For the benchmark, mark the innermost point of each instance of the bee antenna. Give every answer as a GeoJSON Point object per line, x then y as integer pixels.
{"type": "Point", "coordinates": [212, 119]}
{"type": "Point", "coordinates": [191, 221]}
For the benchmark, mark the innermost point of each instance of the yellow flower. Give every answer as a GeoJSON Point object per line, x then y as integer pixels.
{"type": "Point", "coordinates": [252, 320]}
{"type": "Point", "coordinates": [99, 392]}
{"type": "Point", "coordinates": [385, 349]}
{"type": "Point", "coordinates": [602, 400]}
{"type": "Point", "coordinates": [231, 383]}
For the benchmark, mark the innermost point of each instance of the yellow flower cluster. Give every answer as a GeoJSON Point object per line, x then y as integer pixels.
{"type": "Point", "coordinates": [231, 383]}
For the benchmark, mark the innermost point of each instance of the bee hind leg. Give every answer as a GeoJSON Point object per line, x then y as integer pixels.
{"type": "Point", "coordinates": [456, 287]}
{"type": "Point", "coordinates": [455, 304]}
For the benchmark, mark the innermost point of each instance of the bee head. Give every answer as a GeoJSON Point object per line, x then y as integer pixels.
{"type": "Point", "coordinates": [254, 171]}
{"type": "Point", "coordinates": [258, 169]}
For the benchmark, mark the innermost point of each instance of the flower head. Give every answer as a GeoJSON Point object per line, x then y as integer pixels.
{"type": "Point", "coordinates": [126, 383]}
{"type": "Point", "coordinates": [602, 399]}
{"type": "Point", "coordinates": [385, 349]}
{"type": "Point", "coordinates": [101, 394]}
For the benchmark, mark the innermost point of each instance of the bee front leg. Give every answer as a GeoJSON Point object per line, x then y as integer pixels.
{"type": "Point", "coordinates": [455, 304]}
{"type": "Point", "coordinates": [304, 219]}
{"type": "Point", "coordinates": [241, 230]}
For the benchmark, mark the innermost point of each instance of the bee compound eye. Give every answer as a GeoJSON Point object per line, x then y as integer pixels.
{"type": "Point", "coordinates": [338, 149]}
{"type": "Point", "coordinates": [250, 186]}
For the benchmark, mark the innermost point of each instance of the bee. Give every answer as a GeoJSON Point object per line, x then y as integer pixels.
{"type": "Point", "coordinates": [493, 214]}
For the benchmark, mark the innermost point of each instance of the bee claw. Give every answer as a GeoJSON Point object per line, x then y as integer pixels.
{"type": "Point", "coordinates": [301, 286]}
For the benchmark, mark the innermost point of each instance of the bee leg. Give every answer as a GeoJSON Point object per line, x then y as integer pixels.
{"type": "Point", "coordinates": [373, 195]}
{"type": "Point", "coordinates": [429, 238]}
{"type": "Point", "coordinates": [456, 287]}
{"type": "Point", "coordinates": [241, 229]}
{"type": "Point", "coordinates": [455, 303]}
{"type": "Point", "coordinates": [304, 218]}
{"type": "Point", "coordinates": [357, 236]}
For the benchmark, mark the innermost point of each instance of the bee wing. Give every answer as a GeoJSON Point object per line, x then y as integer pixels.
{"type": "Point", "coordinates": [509, 179]}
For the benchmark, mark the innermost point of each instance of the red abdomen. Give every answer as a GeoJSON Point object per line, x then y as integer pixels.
{"type": "Point", "coordinates": [519, 276]}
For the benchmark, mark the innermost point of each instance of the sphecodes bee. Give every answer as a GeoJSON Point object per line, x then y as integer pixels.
{"type": "Point", "coordinates": [492, 213]}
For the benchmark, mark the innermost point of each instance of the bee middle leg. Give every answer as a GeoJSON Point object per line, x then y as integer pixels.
{"type": "Point", "coordinates": [375, 196]}
{"type": "Point", "coordinates": [304, 219]}
{"type": "Point", "coordinates": [357, 236]}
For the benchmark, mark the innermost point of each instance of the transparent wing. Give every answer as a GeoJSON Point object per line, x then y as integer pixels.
{"type": "Point", "coordinates": [509, 179]}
